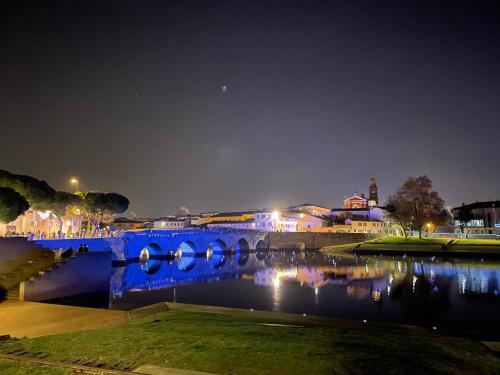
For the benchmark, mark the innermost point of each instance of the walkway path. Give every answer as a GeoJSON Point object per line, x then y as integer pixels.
{"type": "Point", "coordinates": [31, 319]}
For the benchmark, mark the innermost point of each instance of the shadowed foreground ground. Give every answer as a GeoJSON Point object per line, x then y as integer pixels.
{"type": "Point", "coordinates": [224, 341]}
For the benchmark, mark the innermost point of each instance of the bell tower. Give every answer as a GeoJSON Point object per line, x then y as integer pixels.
{"type": "Point", "coordinates": [372, 193]}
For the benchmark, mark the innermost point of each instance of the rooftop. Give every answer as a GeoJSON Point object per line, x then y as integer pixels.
{"type": "Point", "coordinates": [308, 204]}
{"type": "Point", "coordinates": [232, 222]}
{"type": "Point", "coordinates": [235, 213]}
{"type": "Point", "coordinates": [486, 204]}
{"type": "Point", "coordinates": [122, 220]}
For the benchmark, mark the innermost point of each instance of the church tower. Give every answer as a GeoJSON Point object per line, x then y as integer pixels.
{"type": "Point", "coordinates": [372, 193]}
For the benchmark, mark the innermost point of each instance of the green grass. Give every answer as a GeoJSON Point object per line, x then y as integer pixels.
{"type": "Point", "coordinates": [11, 368]}
{"type": "Point", "coordinates": [237, 343]}
{"type": "Point", "coordinates": [410, 241]}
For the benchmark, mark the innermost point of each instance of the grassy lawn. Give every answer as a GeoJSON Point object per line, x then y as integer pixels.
{"type": "Point", "coordinates": [410, 241]}
{"type": "Point", "coordinates": [238, 343]}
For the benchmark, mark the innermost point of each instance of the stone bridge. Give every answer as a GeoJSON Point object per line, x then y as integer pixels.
{"type": "Point", "coordinates": [158, 243]}
{"type": "Point", "coordinates": [191, 242]}
{"type": "Point", "coordinates": [197, 242]}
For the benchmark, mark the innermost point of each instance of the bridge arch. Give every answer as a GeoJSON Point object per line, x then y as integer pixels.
{"type": "Point", "coordinates": [216, 253]}
{"type": "Point", "coordinates": [148, 258]}
{"type": "Point", "coordinates": [261, 245]}
{"type": "Point", "coordinates": [186, 255]}
{"type": "Point", "coordinates": [242, 249]}
{"type": "Point", "coordinates": [242, 244]}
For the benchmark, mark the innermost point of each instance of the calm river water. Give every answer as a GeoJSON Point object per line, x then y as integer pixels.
{"type": "Point", "coordinates": [448, 294]}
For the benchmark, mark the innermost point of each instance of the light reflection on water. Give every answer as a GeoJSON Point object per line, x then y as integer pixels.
{"type": "Point", "coordinates": [452, 293]}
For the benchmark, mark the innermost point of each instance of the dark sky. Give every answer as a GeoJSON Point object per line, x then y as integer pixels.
{"type": "Point", "coordinates": [319, 97]}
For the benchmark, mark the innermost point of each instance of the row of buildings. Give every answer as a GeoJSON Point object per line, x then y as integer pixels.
{"type": "Point", "coordinates": [484, 218]}
{"type": "Point", "coordinates": [359, 214]}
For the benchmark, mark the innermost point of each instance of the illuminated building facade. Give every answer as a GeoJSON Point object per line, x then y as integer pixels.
{"type": "Point", "coordinates": [233, 224]}
{"type": "Point", "coordinates": [275, 221]}
{"type": "Point", "coordinates": [486, 217]}
{"type": "Point", "coordinates": [43, 223]}
{"type": "Point", "coordinates": [356, 201]}
{"type": "Point", "coordinates": [231, 216]}
{"type": "Point", "coordinates": [170, 223]}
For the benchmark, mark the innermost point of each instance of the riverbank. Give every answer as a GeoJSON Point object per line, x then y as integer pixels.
{"type": "Point", "coordinates": [421, 246]}
{"type": "Point", "coordinates": [222, 340]}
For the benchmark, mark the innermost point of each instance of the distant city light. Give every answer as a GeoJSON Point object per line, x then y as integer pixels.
{"type": "Point", "coordinates": [75, 181]}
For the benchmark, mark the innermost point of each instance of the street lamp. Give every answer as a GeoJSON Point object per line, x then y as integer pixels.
{"type": "Point", "coordinates": [74, 181]}
{"type": "Point", "coordinates": [429, 227]}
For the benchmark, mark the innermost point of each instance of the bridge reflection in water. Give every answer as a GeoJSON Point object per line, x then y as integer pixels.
{"type": "Point", "coordinates": [456, 293]}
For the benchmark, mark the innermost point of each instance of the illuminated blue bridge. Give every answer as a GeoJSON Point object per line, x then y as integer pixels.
{"type": "Point", "coordinates": [191, 242]}
{"type": "Point", "coordinates": [163, 243]}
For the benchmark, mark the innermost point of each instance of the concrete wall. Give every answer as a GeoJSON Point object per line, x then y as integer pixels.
{"type": "Point", "coordinates": [85, 273]}
{"type": "Point", "coordinates": [287, 240]}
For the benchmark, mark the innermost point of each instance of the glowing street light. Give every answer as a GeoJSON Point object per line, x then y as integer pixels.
{"type": "Point", "coordinates": [74, 181]}
{"type": "Point", "coordinates": [275, 216]}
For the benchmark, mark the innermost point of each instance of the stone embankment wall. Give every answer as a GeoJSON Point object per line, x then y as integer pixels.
{"type": "Point", "coordinates": [15, 251]}
{"type": "Point", "coordinates": [85, 273]}
{"type": "Point", "coordinates": [114, 244]}
{"type": "Point", "coordinates": [312, 241]}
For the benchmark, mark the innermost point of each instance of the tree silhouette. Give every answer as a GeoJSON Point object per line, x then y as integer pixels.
{"type": "Point", "coordinates": [12, 204]}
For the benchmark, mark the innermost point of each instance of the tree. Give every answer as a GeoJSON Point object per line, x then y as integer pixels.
{"type": "Point", "coordinates": [464, 217]}
{"type": "Point", "coordinates": [12, 204]}
{"type": "Point", "coordinates": [398, 213]}
{"type": "Point", "coordinates": [62, 203]}
{"type": "Point", "coordinates": [38, 193]}
{"type": "Point", "coordinates": [415, 203]}
{"type": "Point", "coordinates": [96, 205]}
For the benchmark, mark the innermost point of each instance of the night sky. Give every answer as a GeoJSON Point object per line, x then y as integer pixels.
{"type": "Point", "coordinates": [225, 105]}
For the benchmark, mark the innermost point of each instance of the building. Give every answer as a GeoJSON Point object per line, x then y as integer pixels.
{"type": "Point", "coordinates": [372, 193]}
{"type": "Point", "coordinates": [486, 217]}
{"type": "Point", "coordinates": [275, 221]}
{"type": "Point", "coordinates": [231, 216]}
{"type": "Point", "coordinates": [360, 201]}
{"type": "Point", "coordinates": [123, 223]}
{"type": "Point", "coordinates": [171, 223]}
{"type": "Point", "coordinates": [340, 215]}
{"type": "Point", "coordinates": [376, 227]}
{"type": "Point", "coordinates": [309, 208]}
{"type": "Point", "coordinates": [361, 215]}
{"type": "Point", "coordinates": [355, 201]}
{"type": "Point", "coordinates": [43, 223]}
{"type": "Point", "coordinates": [233, 224]}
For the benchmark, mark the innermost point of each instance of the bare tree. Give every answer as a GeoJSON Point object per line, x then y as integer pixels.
{"type": "Point", "coordinates": [415, 203]}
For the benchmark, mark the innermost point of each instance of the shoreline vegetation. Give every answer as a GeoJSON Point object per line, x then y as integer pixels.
{"type": "Point", "coordinates": [423, 246]}
{"type": "Point", "coordinates": [224, 340]}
